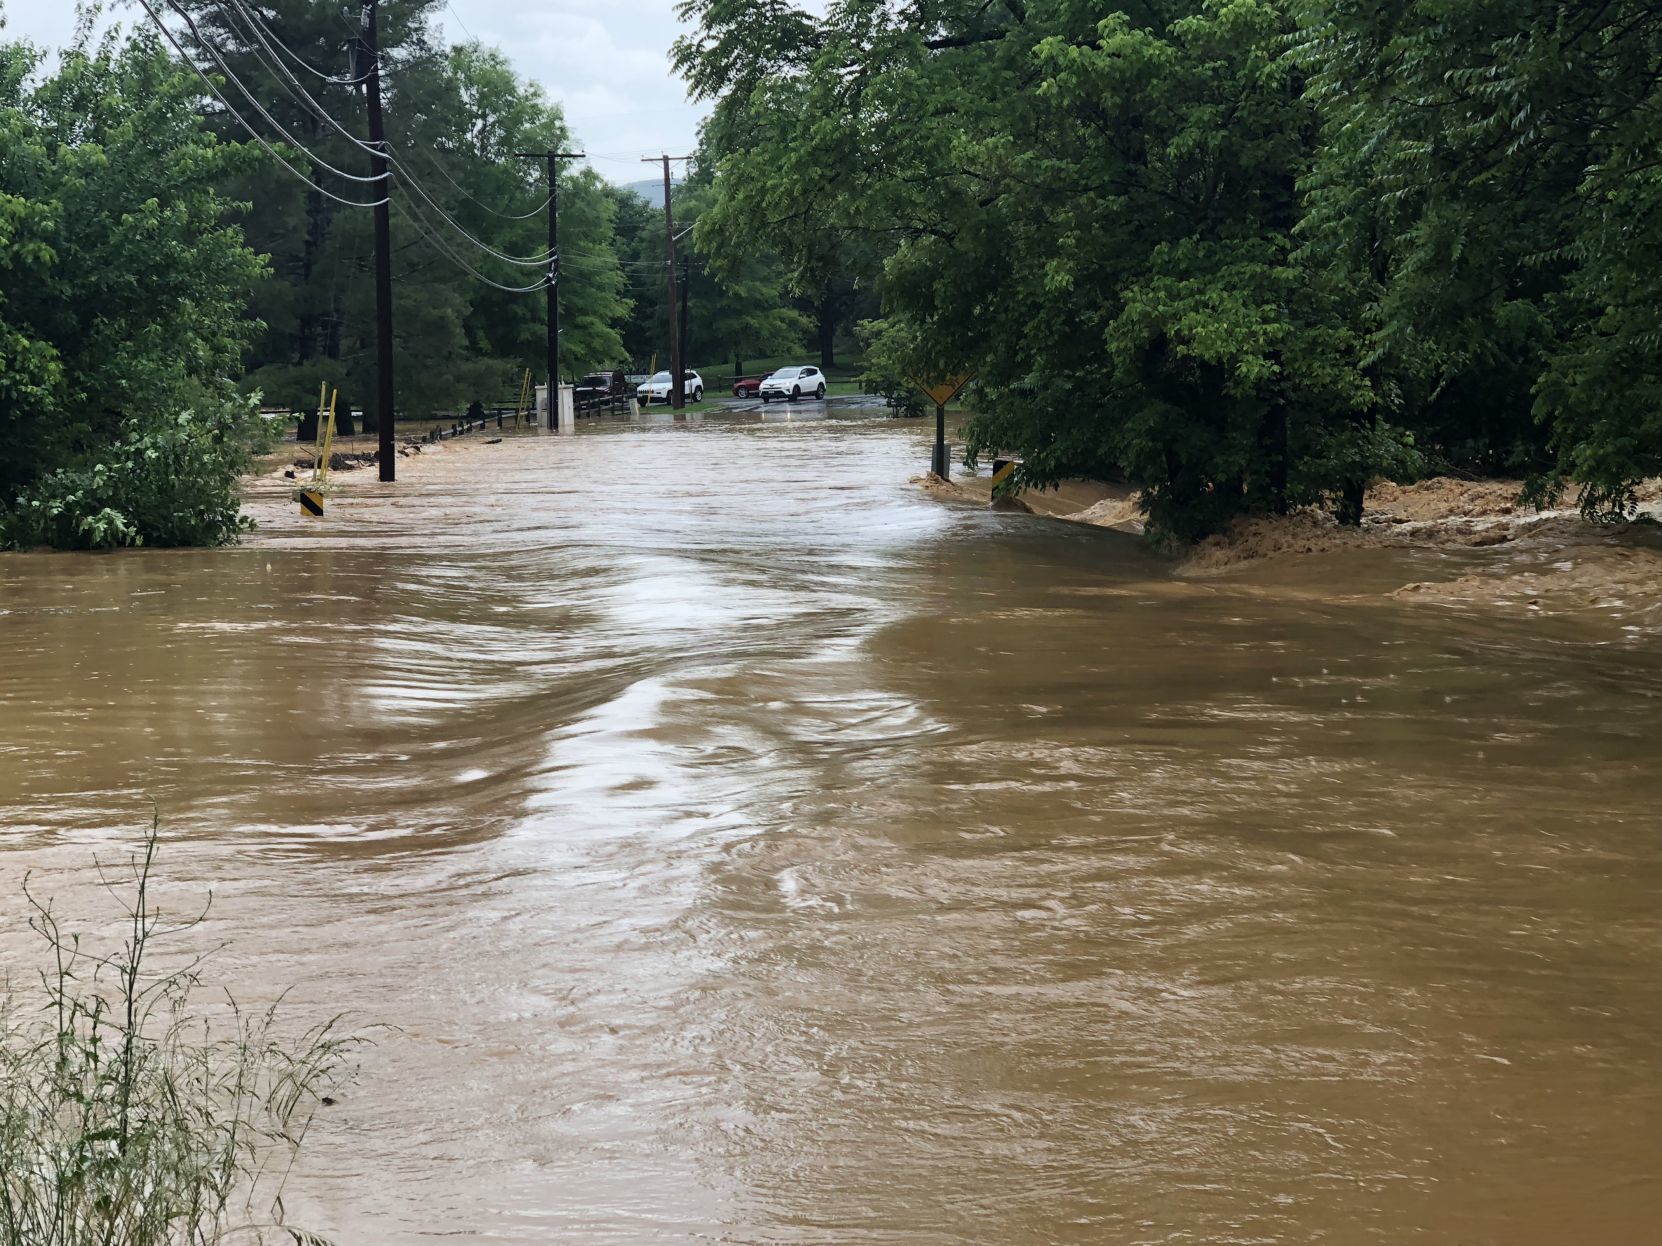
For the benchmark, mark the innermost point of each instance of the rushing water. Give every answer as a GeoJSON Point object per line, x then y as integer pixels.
{"type": "Point", "coordinates": [748, 849]}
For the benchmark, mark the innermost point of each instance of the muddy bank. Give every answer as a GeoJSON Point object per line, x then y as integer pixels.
{"type": "Point", "coordinates": [1085, 501]}
{"type": "Point", "coordinates": [1445, 542]}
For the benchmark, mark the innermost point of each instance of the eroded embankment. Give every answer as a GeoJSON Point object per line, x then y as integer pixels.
{"type": "Point", "coordinates": [1480, 546]}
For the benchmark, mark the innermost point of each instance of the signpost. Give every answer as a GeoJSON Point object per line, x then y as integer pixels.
{"type": "Point", "coordinates": [311, 498]}
{"type": "Point", "coordinates": [940, 393]}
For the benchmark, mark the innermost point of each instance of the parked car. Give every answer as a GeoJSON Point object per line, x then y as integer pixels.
{"type": "Point", "coordinates": [602, 384]}
{"type": "Point", "coordinates": [792, 383]}
{"type": "Point", "coordinates": [658, 388]}
{"type": "Point", "coordinates": [600, 387]}
{"type": "Point", "coordinates": [746, 387]}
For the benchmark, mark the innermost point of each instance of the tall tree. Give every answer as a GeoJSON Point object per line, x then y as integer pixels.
{"type": "Point", "coordinates": [123, 306]}
{"type": "Point", "coordinates": [1490, 178]}
{"type": "Point", "coordinates": [456, 116]}
{"type": "Point", "coordinates": [1095, 212]}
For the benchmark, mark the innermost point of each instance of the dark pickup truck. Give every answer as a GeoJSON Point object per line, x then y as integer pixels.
{"type": "Point", "coordinates": [600, 391]}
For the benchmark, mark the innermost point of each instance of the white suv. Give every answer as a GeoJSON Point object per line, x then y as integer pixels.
{"type": "Point", "coordinates": [792, 383]}
{"type": "Point", "coordinates": [657, 389]}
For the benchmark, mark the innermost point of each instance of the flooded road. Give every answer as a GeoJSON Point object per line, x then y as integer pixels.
{"type": "Point", "coordinates": [748, 849]}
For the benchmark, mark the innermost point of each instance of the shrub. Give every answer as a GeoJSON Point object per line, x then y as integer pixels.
{"type": "Point", "coordinates": [168, 481]}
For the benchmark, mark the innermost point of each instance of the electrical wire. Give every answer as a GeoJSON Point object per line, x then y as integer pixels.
{"type": "Point", "coordinates": [412, 214]}
{"type": "Point", "coordinates": [265, 37]}
{"type": "Point", "coordinates": [518, 261]}
{"type": "Point", "coordinates": [307, 101]}
{"type": "Point", "coordinates": [507, 216]}
{"type": "Point", "coordinates": [460, 22]}
{"type": "Point", "coordinates": [252, 99]}
{"type": "Point", "coordinates": [239, 119]}
{"type": "Point", "coordinates": [253, 21]}
{"type": "Point", "coordinates": [296, 92]}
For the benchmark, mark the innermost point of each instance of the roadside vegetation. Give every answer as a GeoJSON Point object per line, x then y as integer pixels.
{"type": "Point", "coordinates": [130, 1115]}
{"type": "Point", "coordinates": [162, 276]}
{"type": "Point", "coordinates": [1245, 255]}
{"type": "Point", "coordinates": [122, 307]}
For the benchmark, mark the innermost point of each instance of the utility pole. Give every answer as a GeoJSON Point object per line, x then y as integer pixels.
{"type": "Point", "coordinates": [686, 289]}
{"type": "Point", "coordinates": [677, 391]}
{"type": "Point", "coordinates": [386, 455]}
{"type": "Point", "coordinates": [553, 158]}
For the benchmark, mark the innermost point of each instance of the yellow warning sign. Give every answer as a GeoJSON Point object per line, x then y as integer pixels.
{"type": "Point", "coordinates": [311, 502]}
{"type": "Point", "coordinates": [1006, 470]}
{"type": "Point", "coordinates": [943, 392]}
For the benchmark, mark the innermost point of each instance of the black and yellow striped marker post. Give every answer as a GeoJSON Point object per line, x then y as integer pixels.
{"type": "Point", "coordinates": [311, 502]}
{"type": "Point", "coordinates": [1003, 469]}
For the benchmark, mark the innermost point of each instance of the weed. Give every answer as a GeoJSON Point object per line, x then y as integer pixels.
{"type": "Point", "coordinates": [128, 1117]}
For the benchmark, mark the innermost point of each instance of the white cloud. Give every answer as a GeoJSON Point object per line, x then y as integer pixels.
{"type": "Point", "coordinates": [608, 66]}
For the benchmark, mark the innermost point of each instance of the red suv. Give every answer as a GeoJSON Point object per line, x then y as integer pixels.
{"type": "Point", "coordinates": [747, 387]}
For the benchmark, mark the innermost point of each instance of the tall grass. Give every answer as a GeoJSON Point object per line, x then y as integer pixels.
{"type": "Point", "coordinates": [131, 1117]}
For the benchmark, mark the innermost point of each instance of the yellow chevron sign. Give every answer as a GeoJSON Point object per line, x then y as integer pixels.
{"type": "Point", "coordinates": [311, 502]}
{"type": "Point", "coordinates": [943, 392]}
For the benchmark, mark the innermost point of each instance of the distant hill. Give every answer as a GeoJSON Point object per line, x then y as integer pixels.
{"type": "Point", "coordinates": [652, 189]}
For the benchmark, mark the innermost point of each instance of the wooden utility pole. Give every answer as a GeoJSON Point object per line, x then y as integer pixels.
{"type": "Point", "coordinates": [686, 295]}
{"type": "Point", "coordinates": [677, 392]}
{"type": "Point", "coordinates": [553, 158]}
{"type": "Point", "coordinates": [386, 455]}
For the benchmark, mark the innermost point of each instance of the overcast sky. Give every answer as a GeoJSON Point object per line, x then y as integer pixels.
{"type": "Point", "coordinates": [606, 62]}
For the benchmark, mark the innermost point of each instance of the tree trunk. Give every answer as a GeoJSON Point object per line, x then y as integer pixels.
{"type": "Point", "coordinates": [826, 314]}
{"type": "Point", "coordinates": [1349, 510]}
{"type": "Point", "coordinates": [317, 229]}
{"type": "Point", "coordinates": [1272, 438]}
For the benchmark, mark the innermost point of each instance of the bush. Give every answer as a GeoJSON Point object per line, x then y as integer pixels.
{"type": "Point", "coordinates": [125, 1120]}
{"type": "Point", "coordinates": [902, 397]}
{"type": "Point", "coordinates": [170, 481]}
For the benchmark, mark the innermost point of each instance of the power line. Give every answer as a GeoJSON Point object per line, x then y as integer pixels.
{"type": "Point", "coordinates": [410, 212]}
{"type": "Point", "coordinates": [253, 22]}
{"type": "Point", "coordinates": [239, 119]}
{"type": "Point", "coordinates": [266, 37]}
{"type": "Point", "coordinates": [413, 215]}
{"type": "Point", "coordinates": [518, 261]}
{"type": "Point", "coordinates": [460, 22]}
{"type": "Point", "coordinates": [507, 216]}
{"type": "Point", "coordinates": [252, 99]}
{"type": "Point", "coordinates": [308, 102]}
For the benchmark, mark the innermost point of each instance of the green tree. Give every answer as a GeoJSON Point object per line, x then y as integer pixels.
{"type": "Point", "coordinates": [638, 242]}
{"type": "Point", "coordinates": [465, 320]}
{"type": "Point", "coordinates": [1489, 180]}
{"type": "Point", "coordinates": [123, 305]}
{"type": "Point", "coordinates": [739, 298]}
{"type": "Point", "coordinates": [739, 305]}
{"type": "Point", "coordinates": [1095, 212]}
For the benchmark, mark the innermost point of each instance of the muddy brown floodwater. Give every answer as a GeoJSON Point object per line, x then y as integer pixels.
{"type": "Point", "coordinates": [750, 849]}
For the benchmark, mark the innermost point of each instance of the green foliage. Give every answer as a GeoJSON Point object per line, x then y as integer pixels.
{"type": "Point", "coordinates": [893, 356]}
{"type": "Point", "coordinates": [1247, 254]}
{"type": "Point", "coordinates": [122, 305]}
{"type": "Point", "coordinates": [739, 304]}
{"type": "Point", "coordinates": [1095, 213]}
{"type": "Point", "coordinates": [1488, 181]}
{"type": "Point", "coordinates": [742, 293]}
{"type": "Point", "coordinates": [127, 1116]}
{"type": "Point", "coordinates": [163, 481]}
